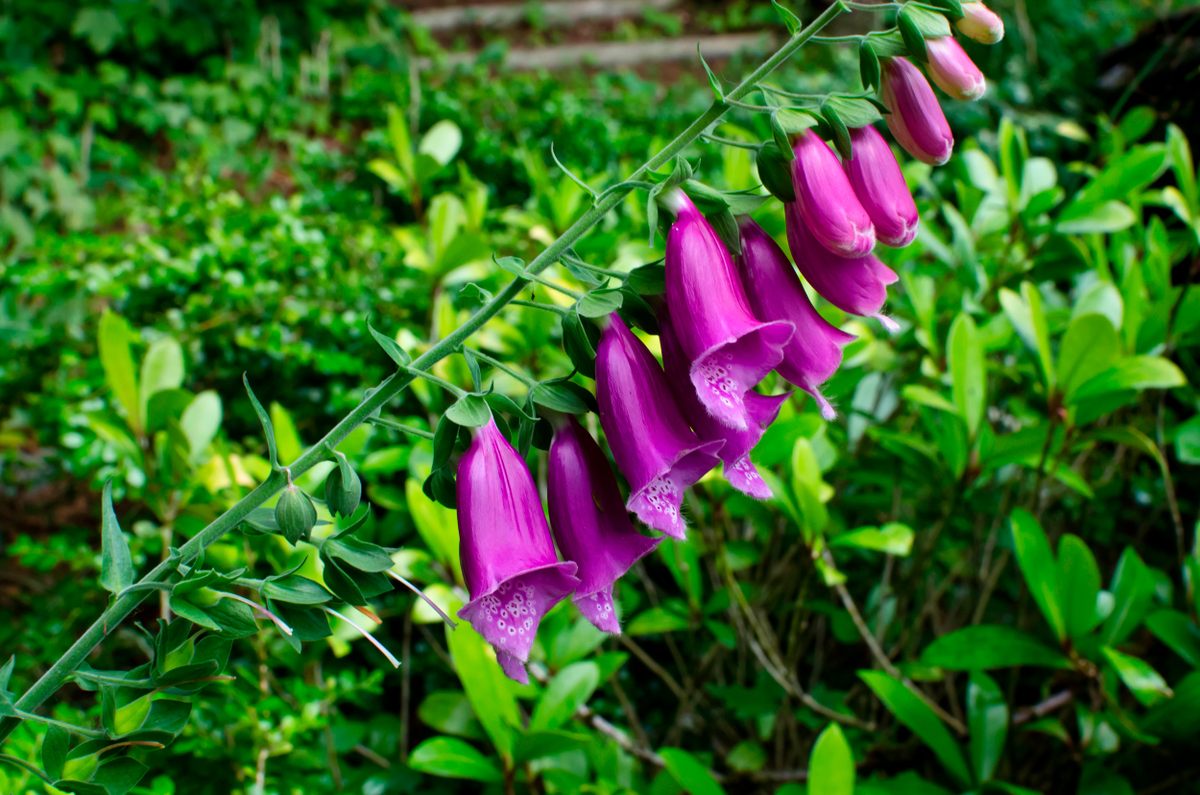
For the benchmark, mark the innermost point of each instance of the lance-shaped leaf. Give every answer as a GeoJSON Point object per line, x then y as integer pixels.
{"type": "Point", "coordinates": [116, 565]}
{"type": "Point", "coordinates": [265, 419]}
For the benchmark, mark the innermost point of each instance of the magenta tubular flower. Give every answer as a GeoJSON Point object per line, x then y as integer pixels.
{"type": "Point", "coordinates": [953, 70]}
{"type": "Point", "coordinates": [730, 349]}
{"type": "Point", "coordinates": [915, 117]}
{"type": "Point", "coordinates": [651, 441]}
{"type": "Point", "coordinates": [856, 285]}
{"type": "Point", "coordinates": [590, 523]}
{"type": "Point", "coordinates": [512, 572]}
{"type": "Point", "coordinates": [879, 183]}
{"type": "Point", "coordinates": [738, 469]}
{"type": "Point", "coordinates": [981, 23]}
{"type": "Point", "coordinates": [775, 292]}
{"type": "Point", "coordinates": [828, 204]}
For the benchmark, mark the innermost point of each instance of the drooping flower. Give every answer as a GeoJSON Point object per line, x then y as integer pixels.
{"type": "Point", "coordinates": [877, 180]}
{"type": "Point", "coordinates": [512, 572]}
{"type": "Point", "coordinates": [730, 350]}
{"type": "Point", "coordinates": [856, 285]}
{"type": "Point", "coordinates": [915, 117]}
{"type": "Point", "coordinates": [981, 23]}
{"type": "Point", "coordinates": [589, 521]}
{"type": "Point", "coordinates": [651, 441]}
{"type": "Point", "coordinates": [775, 292]}
{"type": "Point", "coordinates": [953, 70]}
{"type": "Point", "coordinates": [738, 469]}
{"type": "Point", "coordinates": [827, 202]}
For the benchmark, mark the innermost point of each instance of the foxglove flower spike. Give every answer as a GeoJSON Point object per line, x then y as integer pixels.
{"type": "Point", "coordinates": [827, 202]}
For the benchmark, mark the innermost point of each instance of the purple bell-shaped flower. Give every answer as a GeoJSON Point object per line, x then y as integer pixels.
{"type": "Point", "coordinates": [589, 521]}
{"type": "Point", "coordinates": [856, 285]}
{"type": "Point", "coordinates": [650, 440]}
{"type": "Point", "coordinates": [826, 200]}
{"type": "Point", "coordinates": [738, 469]}
{"type": "Point", "coordinates": [915, 117]}
{"type": "Point", "coordinates": [880, 186]}
{"type": "Point", "coordinates": [775, 292]}
{"type": "Point", "coordinates": [953, 70]}
{"type": "Point", "coordinates": [512, 572]}
{"type": "Point", "coordinates": [730, 349]}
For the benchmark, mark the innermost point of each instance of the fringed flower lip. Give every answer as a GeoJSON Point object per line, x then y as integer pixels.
{"type": "Point", "coordinates": [512, 571]}
{"type": "Point", "coordinates": [738, 469]}
{"type": "Point", "coordinates": [915, 118]}
{"type": "Point", "coordinates": [879, 184]}
{"type": "Point", "coordinates": [775, 291]}
{"type": "Point", "coordinates": [589, 521]}
{"type": "Point", "coordinates": [855, 285]}
{"type": "Point", "coordinates": [650, 440]}
{"type": "Point", "coordinates": [827, 202]}
{"type": "Point", "coordinates": [730, 349]}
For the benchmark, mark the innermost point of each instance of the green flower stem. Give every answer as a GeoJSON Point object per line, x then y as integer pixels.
{"type": "Point", "coordinates": [58, 673]}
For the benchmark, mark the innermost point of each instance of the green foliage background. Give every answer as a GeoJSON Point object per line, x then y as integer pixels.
{"type": "Point", "coordinates": [981, 577]}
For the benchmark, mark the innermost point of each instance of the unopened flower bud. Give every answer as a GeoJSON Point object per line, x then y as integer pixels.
{"type": "Point", "coordinates": [343, 491]}
{"type": "Point", "coordinates": [981, 23]}
{"type": "Point", "coordinates": [953, 70]}
{"type": "Point", "coordinates": [915, 117]}
{"type": "Point", "coordinates": [295, 514]}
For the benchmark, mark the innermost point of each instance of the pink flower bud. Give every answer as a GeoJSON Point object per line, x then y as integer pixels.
{"type": "Point", "coordinates": [880, 186]}
{"type": "Point", "coordinates": [953, 70]}
{"type": "Point", "coordinates": [915, 117]}
{"type": "Point", "coordinates": [827, 203]}
{"type": "Point", "coordinates": [981, 23]}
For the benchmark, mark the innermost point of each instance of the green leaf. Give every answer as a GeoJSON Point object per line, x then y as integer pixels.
{"type": "Point", "coordinates": [831, 764]}
{"type": "Point", "coordinates": [1134, 372]}
{"type": "Point", "coordinates": [1078, 586]}
{"type": "Point", "coordinates": [294, 589]}
{"type": "Point", "coordinates": [920, 719]}
{"type": "Point", "coordinates": [689, 773]}
{"type": "Point", "coordinates": [771, 162]}
{"type": "Point", "coordinates": [390, 347]}
{"type": "Point", "coordinates": [162, 369]}
{"type": "Point", "coordinates": [1037, 564]}
{"type": "Point", "coordinates": [1132, 588]}
{"type": "Point", "coordinates": [1028, 317]}
{"type": "Point", "coordinates": [450, 757]}
{"type": "Point", "coordinates": [1083, 219]}
{"type": "Point", "coordinates": [441, 142]}
{"type": "Point", "coordinates": [55, 745]}
{"type": "Point", "coordinates": [988, 646]}
{"type": "Point", "coordinates": [1179, 632]}
{"type": "Point", "coordinates": [1180, 154]}
{"type": "Point", "coordinates": [1143, 681]}
{"type": "Point", "coordinates": [541, 744]}
{"type": "Point", "coordinates": [967, 372]}
{"type": "Point", "coordinates": [1088, 348]}
{"type": "Point", "coordinates": [910, 31]}
{"type": "Point", "coordinates": [569, 690]}
{"type": "Point", "coordinates": [713, 81]}
{"type": "Point", "coordinates": [987, 718]}
{"type": "Point", "coordinates": [931, 24]}
{"type": "Point", "coordinates": [892, 539]}
{"type": "Point", "coordinates": [101, 27]}
{"type": "Point", "coordinates": [449, 712]}
{"type": "Point", "coordinates": [789, 19]}
{"type": "Point", "coordinates": [200, 423]}
{"type": "Point", "coordinates": [118, 776]}
{"type": "Point", "coordinates": [854, 111]}
{"type": "Point", "coordinates": [561, 396]}
{"type": "Point", "coordinates": [117, 361]}
{"type": "Point", "coordinates": [265, 420]}
{"type": "Point", "coordinates": [599, 303]}
{"type": "Point", "coordinates": [1122, 178]}
{"type": "Point", "coordinates": [469, 411]}
{"type": "Point", "coordinates": [116, 565]}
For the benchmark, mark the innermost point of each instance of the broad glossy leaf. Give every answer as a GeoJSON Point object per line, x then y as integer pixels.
{"type": "Point", "coordinates": [1134, 372]}
{"type": "Point", "coordinates": [987, 646]}
{"type": "Point", "coordinates": [920, 719]}
{"type": "Point", "coordinates": [967, 371]}
{"type": "Point", "coordinates": [1179, 632]}
{"type": "Point", "coordinates": [568, 691]}
{"type": "Point", "coordinates": [162, 369]}
{"type": "Point", "coordinates": [452, 758]}
{"type": "Point", "coordinates": [831, 764]}
{"type": "Point", "coordinates": [1038, 565]}
{"type": "Point", "coordinates": [1146, 684]}
{"type": "Point", "coordinates": [689, 773]}
{"type": "Point", "coordinates": [1078, 586]}
{"type": "Point", "coordinates": [117, 360]}
{"type": "Point", "coordinates": [987, 719]}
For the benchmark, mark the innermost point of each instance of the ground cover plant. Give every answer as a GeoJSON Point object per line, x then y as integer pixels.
{"type": "Point", "coordinates": [915, 515]}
